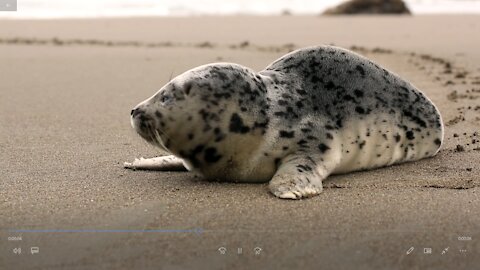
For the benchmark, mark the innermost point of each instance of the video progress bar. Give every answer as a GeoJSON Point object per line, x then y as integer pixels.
{"type": "Point", "coordinates": [195, 230]}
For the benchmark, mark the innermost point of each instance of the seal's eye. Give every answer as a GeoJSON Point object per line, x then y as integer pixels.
{"type": "Point", "coordinates": [165, 99]}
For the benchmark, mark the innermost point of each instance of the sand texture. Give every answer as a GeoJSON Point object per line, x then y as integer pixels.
{"type": "Point", "coordinates": [66, 91]}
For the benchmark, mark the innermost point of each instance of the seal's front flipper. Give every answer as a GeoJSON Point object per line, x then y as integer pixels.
{"type": "Point", "coordinates": [298, 177]}
{"type": "Point", "coordinates": [165, 163]}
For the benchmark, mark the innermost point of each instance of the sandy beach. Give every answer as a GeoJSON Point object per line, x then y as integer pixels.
{"type": "Point", "coordinates": [66, 91]}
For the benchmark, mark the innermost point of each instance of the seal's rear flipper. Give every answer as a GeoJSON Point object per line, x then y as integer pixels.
{"type": "Point", "coordinates": [165, 163]}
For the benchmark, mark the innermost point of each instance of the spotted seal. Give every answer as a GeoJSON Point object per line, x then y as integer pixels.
{"type": "Point", "coordinates": [314, 112]}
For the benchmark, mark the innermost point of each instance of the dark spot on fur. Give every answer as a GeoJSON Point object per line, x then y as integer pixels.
{"type": "Point", "coordinates": [437, 141]}
{"type": "Point", "coordinates": [286, 134]}
{"type": "Point", "coordinates": [236, 124]}
{"type": "Point", "coordinates": [360, 69]}
{"type": "Point", "coordinates": [188, 87]}
{"type": "Point", "coordinates": [348, 98]}
{"type": "Point", "coordinates": [301, 92]}
{"type": "Point", "coordinates": [339, 123]}
{"type": "Point", "coordinates": [315, 79]}
{"type": "Point", "coordinates": [362, 144]}
{"type": "Point", "coordinates": [397, 137]}
{"type": "Point", "coordinates": [358, 93]}
{"type": "Point", "coordinates": [282, 102]}
{"type": "Point", "coordinates": [323, 147]}
{"type": "Point", "coordinates": [198, 149]}
{"type": "Point", "coordinates": [410, 135]}
{"type": "Point", "coordinates": [211, 155]}
{"type": "Point", "coordinates": [330, 85]}
{"type": "Point", "coordinates": [360, 110]}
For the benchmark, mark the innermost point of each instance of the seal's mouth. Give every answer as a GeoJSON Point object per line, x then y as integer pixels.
{"type": "Point", "coordinates": [145, 127]}
{"type": "Point", "coordinates": [158, 139]}
{"type": "Point", "coordinates": [152, 136]}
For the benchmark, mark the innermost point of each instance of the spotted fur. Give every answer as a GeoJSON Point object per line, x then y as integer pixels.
{"type": "Point", "coordinates": [313, 112]}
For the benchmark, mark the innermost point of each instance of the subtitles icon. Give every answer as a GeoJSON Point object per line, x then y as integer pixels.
{"type": "Point", "coordinates": [427, 250]}
{"type": "Point", "coordinates": [34, 250]}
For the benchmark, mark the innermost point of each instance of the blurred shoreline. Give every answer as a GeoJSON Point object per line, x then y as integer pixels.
{"type": "Point", "coordinates": [58, 9]}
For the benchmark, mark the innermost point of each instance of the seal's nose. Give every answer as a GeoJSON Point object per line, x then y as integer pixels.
{"type": "Point", "coordinates": [136, 112]}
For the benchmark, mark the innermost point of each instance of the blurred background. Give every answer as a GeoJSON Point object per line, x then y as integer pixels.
{"type": "Point", "coordinates": [121, 8]}
{"type": "Point", "coordinates": [68, 86]}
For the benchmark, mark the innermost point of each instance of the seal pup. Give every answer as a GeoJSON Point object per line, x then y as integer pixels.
{"type": "Point", "coordinates": [314, 112]}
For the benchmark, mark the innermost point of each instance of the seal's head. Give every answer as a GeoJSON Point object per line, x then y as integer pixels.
{"type": "Point", "coordinates": [194, 112]}
{"type": "Point", "coordinates": [159, 118]}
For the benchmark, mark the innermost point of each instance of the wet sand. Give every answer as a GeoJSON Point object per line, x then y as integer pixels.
{"type": "Point", "coordinates": [67, 89]}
